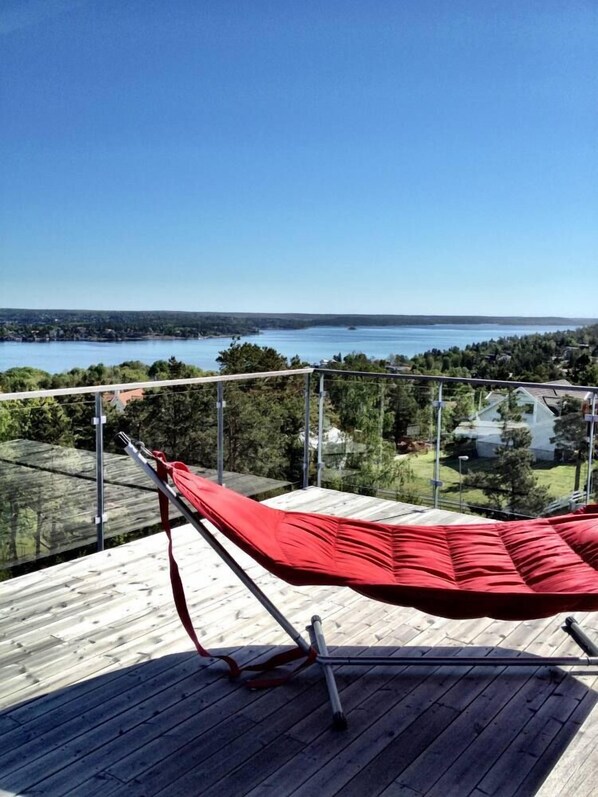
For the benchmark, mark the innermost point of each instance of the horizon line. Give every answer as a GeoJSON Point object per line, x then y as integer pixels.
{"type": "Point", "coordinates": [302, 314]}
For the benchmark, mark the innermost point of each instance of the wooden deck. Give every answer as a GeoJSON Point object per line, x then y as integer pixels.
{"type": "Point", "coordinates": [102, 694]}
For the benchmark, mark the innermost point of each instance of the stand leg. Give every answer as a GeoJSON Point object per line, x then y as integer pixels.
{"type": "Point", "coordinates": [577, 633]}
{"type": "Point", "coordinates": [339, 722]}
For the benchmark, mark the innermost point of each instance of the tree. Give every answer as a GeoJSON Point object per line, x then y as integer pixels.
{"type": "Point", "coordinates": [377, 469]}
{"type": "Point", "coordinates": [263, 420]}
{"type": "Point", "coordinates": [405, 409]}
{"type": "Point", "coordinates": [46, 421]}
{"type": "Point", "coordinates": [460, 408]}
{"type": "Point", "coordinates": [179, 420]}
{"type": "Point", "coordinates": [9, 425]}
{"type": "Point", "coordinates": [246, 358]}
{"type": "Point", "coordinates": [17, 380]}
{"type": "Point", "coordinates": [586, 375]}
{"type": "Point", "coordinates": [570, 435]}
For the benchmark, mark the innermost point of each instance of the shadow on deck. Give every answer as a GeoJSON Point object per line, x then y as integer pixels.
{"type": "Point", "coordinates": [176, 725]}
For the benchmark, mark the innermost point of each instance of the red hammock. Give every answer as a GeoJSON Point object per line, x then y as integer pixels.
{"type": "Point", "coordinates": [513, 571]}
{"type": "Point", "coordinates": [516, 570]}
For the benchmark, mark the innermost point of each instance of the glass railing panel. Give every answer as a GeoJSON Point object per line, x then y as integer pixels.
{"type": "Point", "coordinates": [350, 433]}
{"type": "Point", "coordinates": [498, 452]}
{"type": "Point", "coordinates": [590, 411]}
{"type": "Point", "coordinates": [507, 461]}
{"type": "Point", "coordinates": [415, 436]}
{"type": "Point", "coordinates": [360, 435]}
{"type": "Point", "coordinates": [181, 422]}
{"type": "Point", "coordinates": [47, 481]}
{"type": "Point", "coordinates": [264, 434]}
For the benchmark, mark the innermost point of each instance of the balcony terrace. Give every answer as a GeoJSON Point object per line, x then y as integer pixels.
{"type": "Point", "coordinates": [101, 691]}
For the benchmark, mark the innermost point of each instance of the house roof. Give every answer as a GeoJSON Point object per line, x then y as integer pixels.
{"type": "Point", "coordinates": [494, 397]}
{"type": "Point", "coordinates": [476, 429]}
{"type": "Point", "coordinates": [124, 396]}
{"type": "Point", "coordinates": [551, 397]}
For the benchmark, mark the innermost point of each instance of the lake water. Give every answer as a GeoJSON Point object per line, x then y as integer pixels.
{"type": "Point", "coordinates": [312, 345]}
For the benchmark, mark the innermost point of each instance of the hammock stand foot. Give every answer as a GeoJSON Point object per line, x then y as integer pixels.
{"type": "Point", "coordinates": [326, 662]}
{"type": "Point", "coordinates": [316, 635]}
{"type": "Point", "coordinates": [577, 633]}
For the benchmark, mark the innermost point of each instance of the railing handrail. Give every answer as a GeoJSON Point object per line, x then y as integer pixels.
{"type": "Point", "coordinates": [199, 380]}
{"type": "Point", "coordinates": [471, 380]}
{"type": "Point", "coordinates": [157, 383]}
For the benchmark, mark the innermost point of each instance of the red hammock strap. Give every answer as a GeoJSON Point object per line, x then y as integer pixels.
{"type": "Point", "coordinates": [278, 660]}
{"type": "Point", "coordinates": [180, 602]}
{"type": "Point", "coordinates": [176, 582]}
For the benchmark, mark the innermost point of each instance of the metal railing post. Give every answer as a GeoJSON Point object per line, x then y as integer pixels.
{"type": "Point", "coordinates": [321, 395]}
{"type": "Point", "coordinates": [99, 420]}
{"type": "Point", "coordinates": [436, 482]}
{"type": "Point", "coordinates": [591, 419]}
{"type": "Point", "coordinates": [220, 405]}
{"type": "Point", "coordinates": [381, 422]}
{"type": "Point", "coordinates": [306, 432]}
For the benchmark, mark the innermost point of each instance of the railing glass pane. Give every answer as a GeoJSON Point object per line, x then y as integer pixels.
{"type": "Point", "coordinates": [264, 422]}
{"type": "Point", "coordinates": [514, 456]}
{"type": "Point", "coordinates": [47, 481]}
{"type": "Point", "coordinates": [368, 423]}
{"type": "Point", "coordinates": [181, 422]}
{"type": "Point", "coordinates": [501, 453]}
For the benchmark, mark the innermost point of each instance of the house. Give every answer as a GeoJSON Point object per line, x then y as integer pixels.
{"type": "Point", "coordinates": [120, 398]}
{"type": "Point", "coordinates": [399, 368]}
{"type": "Point", "coordinates": [539, 407]}
{"type": "Point", "coordinates": [337, 446]}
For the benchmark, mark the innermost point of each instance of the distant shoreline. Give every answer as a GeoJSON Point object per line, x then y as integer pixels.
{"type": "Point", "coordinates": [311, 345]}
{"type": "Point", "coordinates": [125, 339]}
{"type": "Point", "coordinates": [217, 335]}
{"type": "Point", "coordinates": [68, 326]}
{"type": "Point", "coordinates": [148, 317]}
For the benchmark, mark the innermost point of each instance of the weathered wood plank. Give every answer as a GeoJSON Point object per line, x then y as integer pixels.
{"type": "Point", "coordinates": [575, 757]}
{"type": "Point", "coordinates": [332, 502]}
{"type": "Point", "coordinates": [241, 757]}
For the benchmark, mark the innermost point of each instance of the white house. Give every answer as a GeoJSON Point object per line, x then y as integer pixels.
{"type": "Point", "coordinates": [336, 445]}
{"type": "Point", "coordinates": [539, 409]}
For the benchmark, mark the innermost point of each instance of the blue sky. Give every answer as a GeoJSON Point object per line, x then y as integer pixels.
{"type": "Point", "coordinates": [358, 156]}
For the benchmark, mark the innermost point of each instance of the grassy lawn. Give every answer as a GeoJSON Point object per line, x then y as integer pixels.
{"type": "Point", "coordinates": [558, 479]}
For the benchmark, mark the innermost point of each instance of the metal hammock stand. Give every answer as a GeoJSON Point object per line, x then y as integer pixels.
{"type": "Point", "coordinates": [315, 650]}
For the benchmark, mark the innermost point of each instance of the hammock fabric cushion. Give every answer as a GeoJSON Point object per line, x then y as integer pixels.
{"type": "Point", "coordinates": [515, 570]}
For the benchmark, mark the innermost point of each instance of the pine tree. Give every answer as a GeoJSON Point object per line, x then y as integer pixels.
{"type": "Point", "coordinates": [570, 435]}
